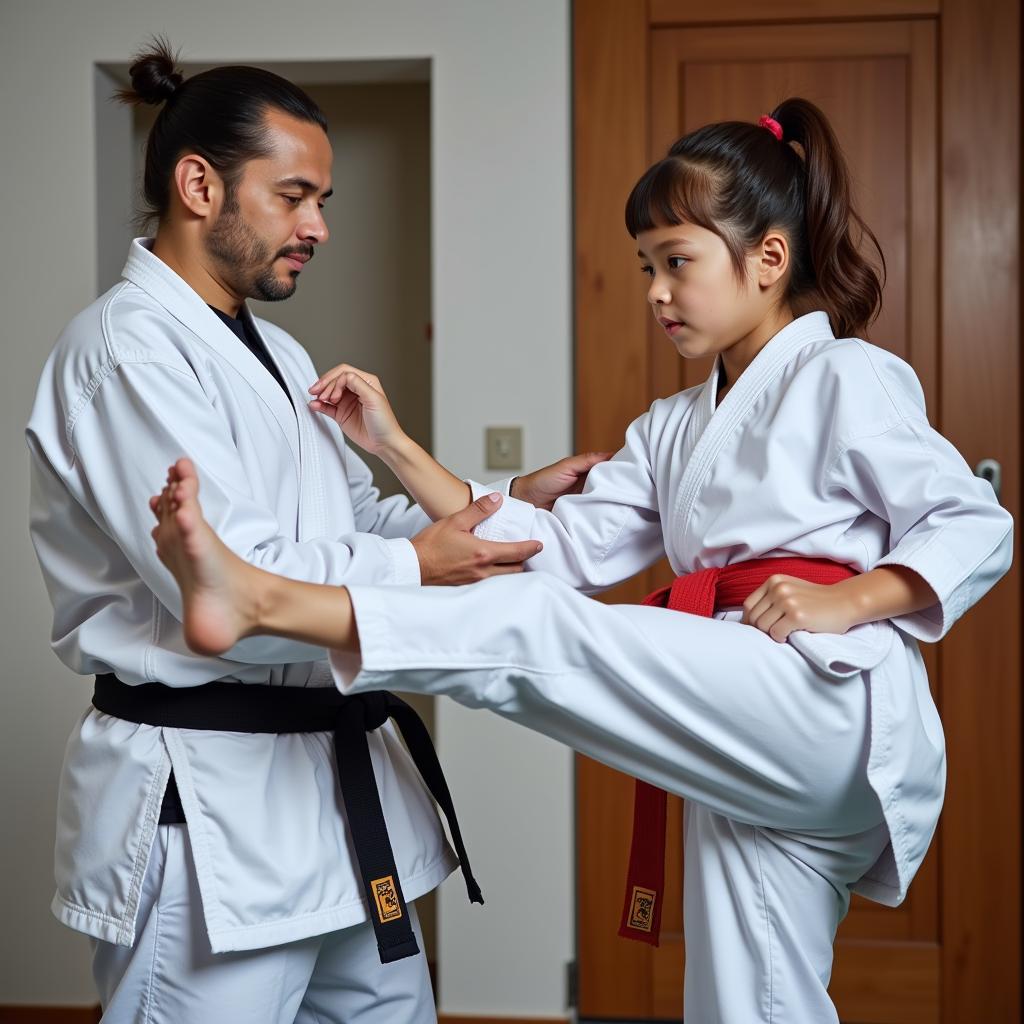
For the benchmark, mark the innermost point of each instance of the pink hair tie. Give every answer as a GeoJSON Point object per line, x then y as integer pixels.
{"type": "Point", "coordinates": [772, 125]}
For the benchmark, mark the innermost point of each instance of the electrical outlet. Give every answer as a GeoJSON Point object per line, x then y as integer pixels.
{"type": "Point", "coordinates": [504, 447]}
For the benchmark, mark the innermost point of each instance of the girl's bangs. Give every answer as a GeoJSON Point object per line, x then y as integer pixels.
{"type": "Point", "coordinates": [671, 192]}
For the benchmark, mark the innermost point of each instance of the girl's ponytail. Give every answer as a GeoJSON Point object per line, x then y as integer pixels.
{"type": "Point", "coordinates": [848, 284]}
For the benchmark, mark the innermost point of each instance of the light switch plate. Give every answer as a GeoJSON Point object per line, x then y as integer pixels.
{"type": "Point", "coordinates": [504, 447]}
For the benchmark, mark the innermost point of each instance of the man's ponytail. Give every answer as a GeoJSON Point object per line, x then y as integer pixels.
{"type": "Point", "coordinates": [154, 74]}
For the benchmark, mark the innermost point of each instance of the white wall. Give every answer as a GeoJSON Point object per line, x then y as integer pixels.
{"type": "Point", "coordinates": [501, 300]}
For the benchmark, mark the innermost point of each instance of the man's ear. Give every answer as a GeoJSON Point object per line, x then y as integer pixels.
{"type": "Point", "coordinates": [772, 259]}
{"type": "Point", "coordinates": [199, 188]}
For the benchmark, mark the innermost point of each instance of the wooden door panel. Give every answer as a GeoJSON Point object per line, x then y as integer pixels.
{"type": "Point", "coordinates": [980, 845]}
{"type": "Point", "coordinates": [887, 983]}
{"type": "Point", "coordinates": [667, 13]}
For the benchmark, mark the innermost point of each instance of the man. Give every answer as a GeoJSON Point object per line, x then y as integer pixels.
{"type": "Point", "coordinates": [257, 908]}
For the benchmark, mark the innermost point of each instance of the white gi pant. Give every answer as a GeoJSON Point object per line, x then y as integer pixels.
{"type": "Point", "coordinates": [770, 754]}
{"type": "Point", "coordinates": [170, 976]}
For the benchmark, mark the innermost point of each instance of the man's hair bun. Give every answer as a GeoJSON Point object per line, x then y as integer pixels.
{"type": "Point", "coordinates": [154, 76]}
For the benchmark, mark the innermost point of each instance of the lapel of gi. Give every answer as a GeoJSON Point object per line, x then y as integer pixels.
{"type": "Point", "coordinates": [313, 504]}
{"type": "Point", "coordinates": [704, 410]}
{"type": "Point", "coordinates": [715, 426]}
{"type": "Point", "coordinates": [183, 303]}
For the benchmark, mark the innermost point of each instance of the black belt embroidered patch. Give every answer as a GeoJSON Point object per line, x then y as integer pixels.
{"type": "Point", "coordinates": [388, 906]}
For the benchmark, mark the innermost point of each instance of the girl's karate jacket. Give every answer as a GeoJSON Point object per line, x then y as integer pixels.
{"type": "Point", "coordinates": [820, 449]}
{"type": "Point", "coordinates": [144, 375]}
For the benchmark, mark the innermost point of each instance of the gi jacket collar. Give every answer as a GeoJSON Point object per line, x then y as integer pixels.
{"type": "Point", "coordinates": [715, 424]}
{"type": "Point", "coordinates": [183, 303]}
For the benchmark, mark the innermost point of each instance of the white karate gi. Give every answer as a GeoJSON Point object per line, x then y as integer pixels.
{"type": "Point", "coordinates": [811, 768]}
{"type": "Point", "coordinates": [144, 375]}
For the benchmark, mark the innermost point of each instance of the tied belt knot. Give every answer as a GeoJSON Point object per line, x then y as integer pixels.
{"type": "Point", "coordinates": [244, 707]}
{"type": "Point", "coordinates": [374, 709]}
{"type": "Point", "coordinates": [698, 593]}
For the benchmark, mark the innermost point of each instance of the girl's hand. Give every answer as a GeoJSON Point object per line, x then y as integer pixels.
{"type": "Point", "coordinates": [543, 487]}
{"type": "Point", "coordinates": [356, 401]}
{"type": "Point", "coordinates": [783, 604]}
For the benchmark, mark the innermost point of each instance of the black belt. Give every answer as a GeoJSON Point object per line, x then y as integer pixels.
{"type": "Point", "coordinates": [243, 707]}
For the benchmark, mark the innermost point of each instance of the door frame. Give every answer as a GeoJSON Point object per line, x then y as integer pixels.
{"type": "Point", "coordinates": [979, 235]}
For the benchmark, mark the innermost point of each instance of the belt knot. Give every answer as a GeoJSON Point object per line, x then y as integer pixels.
{"type": "Point", "coordinates": [376, 708]}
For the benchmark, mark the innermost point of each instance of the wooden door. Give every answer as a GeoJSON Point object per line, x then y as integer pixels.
{"type": "Point", "coordinates": [646, 74]}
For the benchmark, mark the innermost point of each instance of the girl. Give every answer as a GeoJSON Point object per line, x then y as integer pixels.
{"type": "Point", "coordinates": [819, 526]}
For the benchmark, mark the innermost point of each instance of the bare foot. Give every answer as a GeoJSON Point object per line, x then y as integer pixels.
{"type": "Point", "coordinates": [217, 588]}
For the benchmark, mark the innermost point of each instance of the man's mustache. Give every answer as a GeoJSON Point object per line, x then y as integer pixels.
{"type": "Point", "coordinates": [302, 250]}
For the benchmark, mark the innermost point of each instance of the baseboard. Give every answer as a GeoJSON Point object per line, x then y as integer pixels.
{"type": "Point", "coordinates": [49, 1014]}
{"type": "Point", "coordinates": [91, 1015]}
{"type": "Point", "coordinates": [453, 1018]}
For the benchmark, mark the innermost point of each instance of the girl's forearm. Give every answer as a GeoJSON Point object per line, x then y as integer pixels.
{"type": "Point", "coordinates": [438, 492]}
{"type": "Point", "coordinates": [886, 593]}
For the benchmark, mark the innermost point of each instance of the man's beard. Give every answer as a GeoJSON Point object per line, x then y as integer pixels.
{"type": "Point", "coordinates": [245, 258]}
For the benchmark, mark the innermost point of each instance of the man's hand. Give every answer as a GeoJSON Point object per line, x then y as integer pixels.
{"type": "Point", "coordinates": [450, 555]}
{"type": "Point", "coordinates": [567, 476]}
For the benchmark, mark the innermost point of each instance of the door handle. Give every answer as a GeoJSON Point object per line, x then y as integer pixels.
{"type": "Point", "coordinates": [990, 470]}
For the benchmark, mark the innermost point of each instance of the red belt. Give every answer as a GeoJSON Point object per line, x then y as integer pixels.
{"type": "Point", "coordinates": [699, 593]}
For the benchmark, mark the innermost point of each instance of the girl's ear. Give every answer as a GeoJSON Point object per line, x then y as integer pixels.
{"type": "Point", "coordinates": [773, 259]}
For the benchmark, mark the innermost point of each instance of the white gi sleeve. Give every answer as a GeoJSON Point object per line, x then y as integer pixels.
{"type": "Point", "coordinates": [944, 522]}
{"type": "Point", "coordinates": [601, 537]}
{"type": "Point", "coordinates": [140, 419]}
{"type": "Point", "coordinates": [395, 518]}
